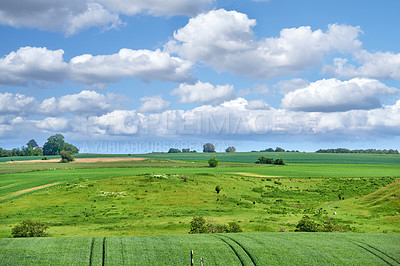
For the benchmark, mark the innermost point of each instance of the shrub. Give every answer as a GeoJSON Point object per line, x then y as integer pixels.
{"type": "Point", "coordinates": [44, 158]}
{"type": "Point", "coordinates": [306, 224]}
{"type": "Point", "coordinates": [233, 227]}
{"type": "Point", "coordinates": [66, 157]}
{"type": "Point", "coordinates": [213, 162]}
{"type": "Point", "coordinates": [218, 189]}
{"type": "Point", "coordinates": [198, 226]}
{"type": "Point", "coordinates": [280, 162]}
{"type": "Point", "coordinates": [263, 160]}
{"type": "Point", "coordinates": [29, 228]}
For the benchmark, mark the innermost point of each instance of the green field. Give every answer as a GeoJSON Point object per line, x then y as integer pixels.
{"type": "Point", "coordinates": [160, 197]}
{"type": "Point", "coordinates": [219, 249]}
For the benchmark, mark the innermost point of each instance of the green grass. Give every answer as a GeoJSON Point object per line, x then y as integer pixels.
{"type": "Point", "coordinates": [221, 249]}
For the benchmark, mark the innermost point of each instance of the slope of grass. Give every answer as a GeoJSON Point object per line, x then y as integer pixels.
{"type": "Point", "coordinates": [222, 249]}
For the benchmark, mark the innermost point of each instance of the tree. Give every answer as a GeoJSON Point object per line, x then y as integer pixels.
{"type": "Point", "coordinates": [306, 224]}
{"type": "Point", "coordinates": [218, 189]}
{"type": "Point", "coordinates": [198, 226]}
{"type": "Point", "coordinates": [55, 144]}
{"type": "Point", "coordinates": [279, 149]}
{"type": "Point", "coordinates": [213, 162]}
{"type": "Point", "coordinates": [66, 157]}
{"type": "Point", "coordinates": [263, 160]}
{"type": "Point", "coordinates": [32, 143]}
{"type": "Point", "coordinates": [208, 147]}
{"type": "Point", "coordinates": [29, 228]}
{"type": "Point", "coordinates": [230, 149]}
{"type": "Point", "coordinates": [280, 162]}
{"type": "Point", "coordinates": [173, 150]}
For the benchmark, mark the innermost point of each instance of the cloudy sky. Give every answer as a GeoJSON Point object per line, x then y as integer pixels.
{"type": "Point", "coordinates": [132, 76]}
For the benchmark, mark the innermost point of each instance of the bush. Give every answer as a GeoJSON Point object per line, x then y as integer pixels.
{"type": "Point", "coordinates": [44, 158]}
{"type": "Point", "coordinates": [218, 189]}
{"type": "Point", "coordinates": [213, 162]}
{"type": "Point", "coordinates": [199, 226]}
{"type": "Point", "coordinates": [66, 157]}
{"type": "Point", "coordinates": [306, 224]}
{"type": "Point", "coordinates": [263, 160]}
{"type": "Point", "coordinates": [29, 228]}
{"type": "Point", "coordinates": [280, 162]}
{"type": "Point", "coordinates": [233, 227]}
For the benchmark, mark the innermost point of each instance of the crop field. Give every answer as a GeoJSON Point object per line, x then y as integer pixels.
{"type": "Point", "coordinates": [92, 208]}
{"type": "Point", "coordinates": [218, 249]}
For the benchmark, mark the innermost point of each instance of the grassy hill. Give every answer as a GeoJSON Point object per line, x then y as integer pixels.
{"type": "Point", "coordinates": [219, 249]}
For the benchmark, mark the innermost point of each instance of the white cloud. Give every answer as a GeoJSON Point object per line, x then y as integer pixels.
{"type": "Point", "coordinates": [332, 95]}
{"type": "Point", "coordinates": [145, 64]}
{"type": "Point", "coordinates": [257, 105]}
{"type": "Point", "coordinates": [16, 103]}
{"type": "Point", "coordinates": [74, 16]}
{"type": "Point", "coordinates": [33, 64]}
{"type": "Point", "coordinates": [65, 16]}
{"type": "Point", "coordinates": [379, 65]}
{"type": "Point", "coordinates": [225, 40]}
{"type": "Point", "coordinates": [158, 7]}
{"type": "Point", "coordinates": [153, 104]}
{"type": "Point", "coordinates": [118, 122]}
{"type": "Point", "coordinates": [85, 102]}
{"type": "Point", "coordinates": [204, 93]}
{"type": "Point", "coordinates": [55, 124]}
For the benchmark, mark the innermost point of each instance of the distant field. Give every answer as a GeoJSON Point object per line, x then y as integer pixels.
{"type": "Point", "coordinates": [250, 157]}
{"type": "Point", "coordinates": [220, 249]}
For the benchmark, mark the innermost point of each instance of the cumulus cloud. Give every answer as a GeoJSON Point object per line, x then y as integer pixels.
{"type": "Point", "coordinates": [85, 102]}
{"type": "Point", "coordinates": [153, 104]}
{"type": "Point", "coordinates": [226, 41]}
{"type": "Point", "coordinates": [257, 105]}
{"type": "Point", "coordinates": [158, 7]}
{"type": "Point", "coordinates": [65, 16]}
{"type": "Point", "coordinates": [285, 86]}
{"type": "Point", "coordinates": [332, 95]}
{"type": "Point", "coordinates": [16, 103]}
{"type": "Point", "coordinates": [204, 93]}
{"type": "Point", "coordinates": [34, 64]}
{"type": "Point", "coordinates": [74, 16]}
{"type": "Point", "coordinates": [379, 65]}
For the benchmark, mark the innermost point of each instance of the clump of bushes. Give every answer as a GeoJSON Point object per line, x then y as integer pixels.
{"type": "Point", "coordinates": [66, 157]}
{"type": "Point", "coordinates": [263, 160]}
{"type": "Point", "coordinates": [29, 228]}
{"type": "Point", "coordinates": [200, 226]}
{"type": "Point", "coordinates": [213, 162]}
{"type": "Point", "coordinates": [327, 224]}
{"type": "Point", "coordinates": [44, 158]}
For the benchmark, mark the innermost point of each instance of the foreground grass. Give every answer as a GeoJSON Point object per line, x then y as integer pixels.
{"type": "Point", "coordinates": [221, 249]}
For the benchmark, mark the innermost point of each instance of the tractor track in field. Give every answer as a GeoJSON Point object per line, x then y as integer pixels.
{"type": "Point", "coordinates": [223, 239]}
{"type": "Point", "coordinates": [377, 253]}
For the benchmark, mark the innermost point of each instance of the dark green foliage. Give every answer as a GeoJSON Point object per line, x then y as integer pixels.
{"type": "Point", "coordinates": [230, 149]}
{"type": "Point", "coordinates": [279, 149]}
{"type": "Point", "coordinates": [208, 147]}
{"type": "Point", "coordinates": [218, 189]}
{"type": "Point", "coordinates": [263, 160]}
{"type": "Point", "coordinates": [279, 162]}
{"type": "Point", "coordinates": [213, 162]}
{"type": "Point", "coordinates": [29, 228]}
{"type": "Point", "coordinates": [306, 224]}
{"type": "Point", "coordinates": [32, 143]}
{"type": "Point", "coordinates": [200, 226]}
{"type": "Point", "coordinates": [173, 150]}
{"type": "Point", "coordinates": [66, 157]}
{"type": "Point", "coordinates": [55, 144]}
{"type": "Point", "coordinates": [326, 224]}
{"type": "Point", "coordinates": [370, 151]}
{"type": "Point", "coordinates": [44, 158]}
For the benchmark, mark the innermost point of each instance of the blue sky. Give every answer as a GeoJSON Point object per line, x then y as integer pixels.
{"type": "Point", "coordinates": [134, 76]}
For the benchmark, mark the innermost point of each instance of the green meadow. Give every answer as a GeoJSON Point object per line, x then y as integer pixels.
{"type": "Point", "coordinates": [125, 202]}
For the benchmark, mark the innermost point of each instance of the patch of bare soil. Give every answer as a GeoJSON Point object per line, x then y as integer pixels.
{"type": "Point", "coordinates": [83, 160]}
{"type": "Point", "coordinates": [20, 192]}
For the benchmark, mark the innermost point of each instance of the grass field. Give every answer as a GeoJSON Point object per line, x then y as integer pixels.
{"type": "Point", "coordinates": [220, 249]}
{"type": "Point", "coordinates": [96, 203]}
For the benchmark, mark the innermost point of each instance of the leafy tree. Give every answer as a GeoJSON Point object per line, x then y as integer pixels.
{"type": "Point", "coordinates": [29, 228]}
{"type": "Point", "coordinates": [233, 227]}
{"type": "Point", "coordinates": [279, 149]}
{"type": "Point", "coordinates": [32, 143]}
{"type": "Point", "coordinates": [218, 189]}
{"type": "Point", "coordinates": [55, 144]}
{"type": "Point", "coordinates": [173, 150]}
{"type": "Point", "coordinates": [306, 224]}
{"type": "Point", "coordinates": [230, 149]}
{"type": "Point", "coordinates": [213, 162]}
{"type": "Point", "coordinates": [198, 226]}
{"type": "Point", "coordinates": [66, 157]}
{"type": "Point", "coordinates": [208, 147]}
{"type": "Point", "coordinates": [185, 150]}
{"type": "Point", "coordinates": [263, 160]}
{"type": "Point", "coordinates": [279, 162]}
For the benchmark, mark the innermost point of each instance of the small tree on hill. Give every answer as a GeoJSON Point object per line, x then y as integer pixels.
{"type": "Point", "coordinates": [213, 162]}
{"type": "Point", "coordinates": [173, 150]}
{"type": "Point", "coordinates": [208, 147]}
{"type": "Point", "coordinates": [66, 157]}
{"type": "Point", "coordinates": [280, 162]}
{"type": "Point", "coordinates": [29, 228]}
{"type": "Point", "coordinates": [230, 149]}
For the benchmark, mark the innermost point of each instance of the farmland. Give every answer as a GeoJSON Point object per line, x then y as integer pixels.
{"type": "Point", "coordinates": [159, 196]}
{"type": "Point", "coordinates": [219, 249]}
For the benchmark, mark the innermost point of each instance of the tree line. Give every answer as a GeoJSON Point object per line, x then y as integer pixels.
{"type": "Point", "coordinates": [370, 151]}
{"type": "Point", "coordinates": [54, 146]}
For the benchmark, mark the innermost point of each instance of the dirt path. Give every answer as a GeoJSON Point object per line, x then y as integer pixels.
{"type": "Point", "coordinates": [84, 160]}
{"type": "Point", "coordinates": [20, 192]}
{"type": "Point", "coordinates": [255, 175]}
